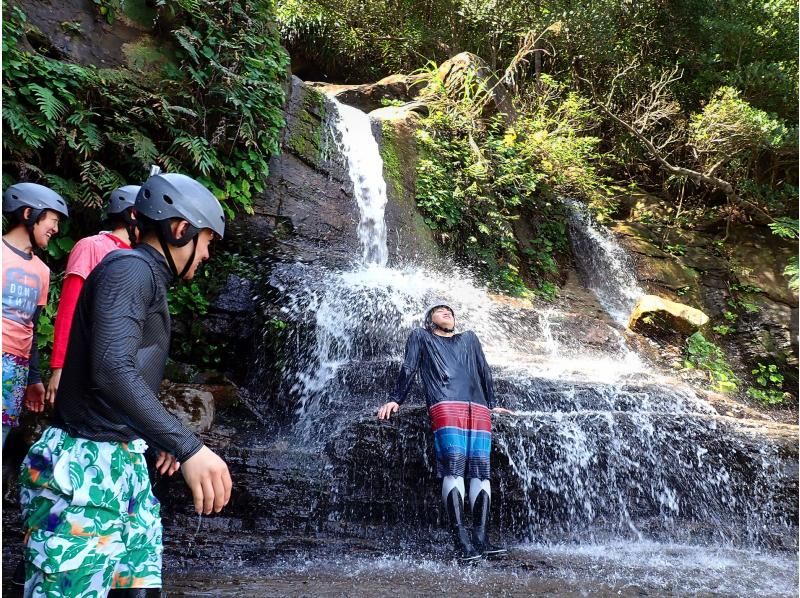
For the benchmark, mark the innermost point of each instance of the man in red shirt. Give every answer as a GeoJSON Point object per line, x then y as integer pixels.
{"type": "Point", "coordinates": [86, 254]}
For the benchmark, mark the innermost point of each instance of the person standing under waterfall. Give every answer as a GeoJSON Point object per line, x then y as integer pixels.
{"type": "Point", "coordinates": [92, 522]}
{"type": "Point", "coordinates": [459, 392]}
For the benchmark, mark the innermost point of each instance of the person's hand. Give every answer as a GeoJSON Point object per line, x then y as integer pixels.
{"type": "Point", "coordinates": [34, 397]}
{"type": "Point", "coordinates": [52, 386]}
{"type": "Point", "coordinates": [502, 410]}
{"type": "Point", "coordinates": [385, 412]}
{"type": "Point", "coordinates": [166, 464]}
{"type": "Point", "coordinates": [209, 480]}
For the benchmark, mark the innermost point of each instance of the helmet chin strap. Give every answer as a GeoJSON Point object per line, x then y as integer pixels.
{"type": "Point", "coordinates": [435, 326]}
{"type": "Point", "coordinates": [171, 261]}
{"type": "Point", "coordinates": [30, 222]}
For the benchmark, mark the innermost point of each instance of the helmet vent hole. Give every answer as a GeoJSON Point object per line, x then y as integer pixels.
{"type": "Point", "coordinates": [147, 193]}
{"type": "Point", "coordinates": [168, 199]}
{"type": "Point", "coordinates": [15, 196]}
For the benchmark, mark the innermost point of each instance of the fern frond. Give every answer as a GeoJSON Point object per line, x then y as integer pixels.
{"type": "Point", "coordinates": [49, 104]}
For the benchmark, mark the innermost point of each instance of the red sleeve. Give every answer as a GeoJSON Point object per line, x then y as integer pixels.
{"type": "Point", "coordinates": [70, 292]}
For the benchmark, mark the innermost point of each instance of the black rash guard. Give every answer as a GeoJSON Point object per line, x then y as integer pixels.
{"type": "Point", "coordinates": [452, 369]}
{"type": "Point", "coordinates": [116, 355]}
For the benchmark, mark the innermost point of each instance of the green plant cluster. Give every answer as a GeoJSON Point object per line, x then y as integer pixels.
{"type": "Point", "coordinates": [769, 385]}
{"type": "Point", "coordinates": [749, 45]}
{"type": "Point", "coordinates": [490, 188]}
{"type": "Point", "coordinates": [208, 103]}
{"type": "Point", "coordinates": [704, 355]}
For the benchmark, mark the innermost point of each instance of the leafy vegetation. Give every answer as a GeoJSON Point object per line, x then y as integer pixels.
{"type": "Point", "coordinates": [207, 101]}
{"type": "Point", "coordinates": [210, 106]}
{"type": "Point", "coordinates": [489, 188]}
{"type": "Point", "coordinates": [704, 355]}
{"type": "Point", "coordinates": [769, 385]}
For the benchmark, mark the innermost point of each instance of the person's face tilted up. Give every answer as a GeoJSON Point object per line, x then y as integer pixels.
{"type": "Point", "coordinates": [443, 318]}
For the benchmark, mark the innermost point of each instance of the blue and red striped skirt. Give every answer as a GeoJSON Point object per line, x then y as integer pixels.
{"type": "Point", "coordinates": [462, 438]}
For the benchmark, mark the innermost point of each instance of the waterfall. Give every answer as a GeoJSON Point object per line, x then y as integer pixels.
{"type": "Point", "coordinates": [604, 265]}
{"type": "Point", "coordinates": [353, 133]}
{"type": "Point", "coordinates": [604, 445]}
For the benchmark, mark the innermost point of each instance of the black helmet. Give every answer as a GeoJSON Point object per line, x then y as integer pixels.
{"type": "Point", "coordinates": [429, 325]}
{"type": "Point", "coordinates": [167, 196]}
{"type": "Point", "coordinates": [35, 196]}
{"type": "Point", "coordinates": [121, 199]}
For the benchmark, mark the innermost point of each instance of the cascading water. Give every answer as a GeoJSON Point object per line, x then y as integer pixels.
{"type": "Point", "coordinates": [603, 448]}
{"type": "Point", "coordinates": [353, 133]}
{"type": "Point", "coordinates": [604, 266]}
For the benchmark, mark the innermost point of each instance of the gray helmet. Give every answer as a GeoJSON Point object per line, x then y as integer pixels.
{"type": "Point", "coordinates": [33, 195]}
{"type": "Point", "coordinates": [122, 199]}
{"type": "Point", "coordinates": [429, 313]}
{"type": "Point", "coordinates": [172, 195]}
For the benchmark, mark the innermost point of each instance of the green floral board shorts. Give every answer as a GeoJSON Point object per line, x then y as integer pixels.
{"type": "Point", "coordinates": [92, 522]}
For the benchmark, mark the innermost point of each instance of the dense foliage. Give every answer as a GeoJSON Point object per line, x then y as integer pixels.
{"type": "Point", "coordinates": [490, 189]}
{"type": "Point", "coordinates": [206, 102]}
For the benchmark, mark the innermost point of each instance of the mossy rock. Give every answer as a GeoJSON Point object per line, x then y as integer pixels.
{"type": "Point", "coordinates": [304, 134]}
{"type": "Point", "coordinates": [399, 154]}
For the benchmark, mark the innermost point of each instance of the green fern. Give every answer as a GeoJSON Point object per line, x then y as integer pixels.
{"type": "Point", "coordinates": [143, 148]}
{"type": "Point", "coordinates": [51, 106]}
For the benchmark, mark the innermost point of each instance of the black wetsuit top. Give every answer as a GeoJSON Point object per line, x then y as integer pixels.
{"type": "Point", "coordinates": [116, 355]}
{"type": "Point", "coordinates": [452, 369]}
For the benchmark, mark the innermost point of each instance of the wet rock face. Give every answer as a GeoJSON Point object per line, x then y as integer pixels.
{"type": "Point", "coordinates": [561, 476]}
{"type": "Point", "coordinates": [191, 404]}
{"type": "Point", "coordinates": [744, 289]}
{"type": "Point", "coordinates": [306, 212]}
{"type": "Point", "coordinates": [99, 43]}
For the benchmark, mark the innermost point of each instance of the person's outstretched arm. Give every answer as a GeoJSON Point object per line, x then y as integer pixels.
{"type": "Point", "coordinates": [34, 391]}
{"type": "Point", "coordinates": [405, 379]}
{"type": "Point", "coordinates": [70, 292]}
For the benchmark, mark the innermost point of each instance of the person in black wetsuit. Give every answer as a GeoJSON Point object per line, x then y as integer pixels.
{"type": "Point", "coordinates": [91, 518]}
{"type": "Point", "coordinates": [459, 393]}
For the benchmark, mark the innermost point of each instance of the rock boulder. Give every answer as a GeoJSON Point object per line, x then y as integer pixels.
{"type": "Point", "coordinates": [654, 311]}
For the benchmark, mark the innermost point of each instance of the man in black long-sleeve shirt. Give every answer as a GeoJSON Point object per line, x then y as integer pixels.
{"type": "Point", "coordinates": [459, 392]}
{"type": "Point", "coordinates": [91, 518]}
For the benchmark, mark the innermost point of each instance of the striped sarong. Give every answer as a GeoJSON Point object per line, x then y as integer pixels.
{"type": "Point", "coordinates": [462, 438]}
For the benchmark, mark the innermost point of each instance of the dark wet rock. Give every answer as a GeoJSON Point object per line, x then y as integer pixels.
{"type": "Point", "coordinates": [236, 296]}
{"type": "Point", "coordinates": [306, 211]}
{"type": "Point", "coordinates": [374, 461]}
{"type": "Point", "coordinates": [74, 29]}
{"type": "Point", "coordinates": [371, 96]}
{"type": "Point", "coordinates": [192, 404]}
